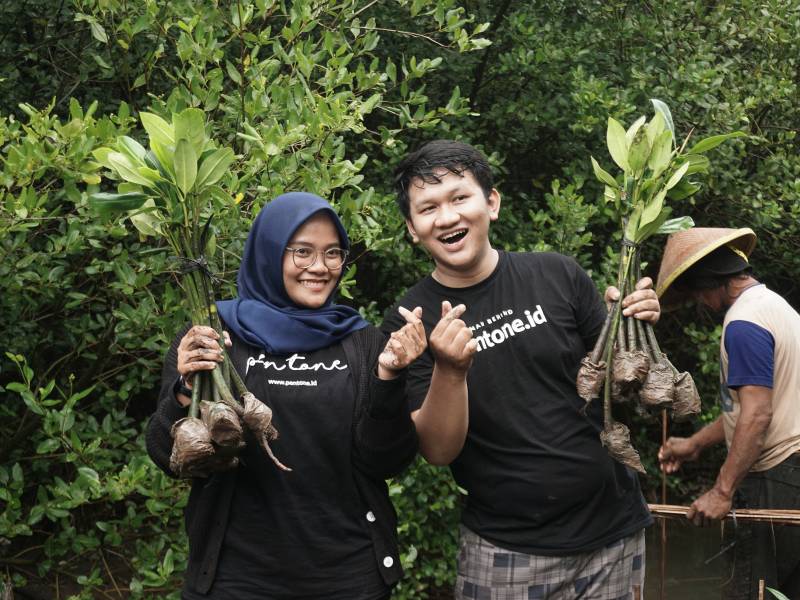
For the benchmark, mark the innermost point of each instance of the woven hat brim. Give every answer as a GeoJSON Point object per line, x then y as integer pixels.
{"type": "Point", "coordinates": [744, 239]}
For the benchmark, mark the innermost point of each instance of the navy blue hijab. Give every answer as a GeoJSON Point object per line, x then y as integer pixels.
{"type": "Point", "coordinates": [263, 314]}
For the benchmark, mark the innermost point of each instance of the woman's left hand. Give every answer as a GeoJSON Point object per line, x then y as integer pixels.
{"type": "Point", "coordinates": [404, 345]}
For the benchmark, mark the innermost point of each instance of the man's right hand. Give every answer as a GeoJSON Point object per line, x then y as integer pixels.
{"type": "Point", "coordinates": [451, 340]}
{"type": "Point", "coordinates": [676, 451]}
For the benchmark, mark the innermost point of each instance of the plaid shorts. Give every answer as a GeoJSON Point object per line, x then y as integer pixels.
{"type": "Point", "coordinates": [486, 572]}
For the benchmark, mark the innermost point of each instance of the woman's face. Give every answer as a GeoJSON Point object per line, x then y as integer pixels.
{"type": "Point", "coordinates": [311, 287]}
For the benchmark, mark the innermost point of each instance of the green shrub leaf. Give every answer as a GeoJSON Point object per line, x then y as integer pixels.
{"type": "Point", "coordinates": [185, 165]}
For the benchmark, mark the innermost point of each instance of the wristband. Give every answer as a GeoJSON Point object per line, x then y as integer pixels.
{"type": "Point", "coordinates": [179, 387]}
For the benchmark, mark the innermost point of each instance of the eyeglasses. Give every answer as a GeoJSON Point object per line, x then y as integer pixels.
{"type": "Point", "coordinates": [304, 258]}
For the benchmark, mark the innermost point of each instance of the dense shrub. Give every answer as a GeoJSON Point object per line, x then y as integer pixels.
{"type": "Point", "coordinates": [326, 96]}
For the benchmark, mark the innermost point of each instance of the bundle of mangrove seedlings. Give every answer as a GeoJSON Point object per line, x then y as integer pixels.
{"type": "Point", "coordinates": [171, 191]}
{"type": "Point", "coordinates": [626, 364]}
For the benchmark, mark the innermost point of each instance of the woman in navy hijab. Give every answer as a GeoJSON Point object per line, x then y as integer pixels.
{"type": "Point", "coordinates": [336, 387]}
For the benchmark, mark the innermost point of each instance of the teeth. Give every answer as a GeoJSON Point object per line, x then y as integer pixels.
{"type": "Point", "coordinates": [452, 236]}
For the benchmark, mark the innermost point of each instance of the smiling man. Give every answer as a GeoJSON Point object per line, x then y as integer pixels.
{"type": "Point", "coordinates": [548, 513]}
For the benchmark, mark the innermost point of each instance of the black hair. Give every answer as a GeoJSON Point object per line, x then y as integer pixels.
{"type": "Point", "coordinates": [713, 271]}
{"type": "Point", "coordinates": [455, 157]}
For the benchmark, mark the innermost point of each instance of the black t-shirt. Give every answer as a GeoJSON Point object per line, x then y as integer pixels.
{"type": "Point", "coordinates": [538, 479]}
{"type": "Point", "coordinates": [289, 534]}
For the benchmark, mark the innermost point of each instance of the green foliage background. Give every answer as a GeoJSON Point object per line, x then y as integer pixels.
{"type": "Point", "coordinates": [326, 96]}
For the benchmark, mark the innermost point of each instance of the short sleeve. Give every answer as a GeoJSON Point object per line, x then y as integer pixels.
{"type": "Point", "coordinates": [751, 354]}
{"type": "Point", "coordinates": [590, 312]}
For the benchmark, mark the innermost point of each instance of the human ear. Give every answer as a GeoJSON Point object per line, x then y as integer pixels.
{"type": "Point", "coordinates": [493, 202]}
{"type": "Point", "coordinates": [411, 231]}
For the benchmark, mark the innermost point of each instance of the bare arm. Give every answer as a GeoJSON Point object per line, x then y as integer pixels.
{"type": "Point", "coordinates": [678, 450]}
{"type": "Point", "coordinates": [748, 437]}
{"type": "Point", "coordinates": [443, 418]}
{"type": "Point", "coordinates": [746, 445]}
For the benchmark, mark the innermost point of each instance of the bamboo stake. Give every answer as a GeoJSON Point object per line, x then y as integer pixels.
{"type": "Point", "coordinates": [663, 585]}
{"type": "Point", "coordinates": [768, 515]}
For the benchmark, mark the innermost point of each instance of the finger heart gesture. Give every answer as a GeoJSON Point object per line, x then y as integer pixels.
{"type": "Point", "coordinates": [404, 346]}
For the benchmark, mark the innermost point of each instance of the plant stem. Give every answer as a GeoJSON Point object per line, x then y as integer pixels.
{"type": "Point", "coordinates": [600, 345]}
{"type": "Point", "coordinates": [623, 274]}
{"type": "Point", "coordinates": [651, 336]}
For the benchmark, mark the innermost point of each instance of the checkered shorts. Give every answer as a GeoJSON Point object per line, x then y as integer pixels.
{"type": "Point", "coordinates": [486, 572]}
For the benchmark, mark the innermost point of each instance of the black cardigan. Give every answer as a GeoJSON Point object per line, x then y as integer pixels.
{"type": "Point", "coordinates": [384, 443]}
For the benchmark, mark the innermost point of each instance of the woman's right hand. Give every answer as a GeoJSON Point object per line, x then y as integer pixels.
{"type": "Point", "coordinates": [199, 350]}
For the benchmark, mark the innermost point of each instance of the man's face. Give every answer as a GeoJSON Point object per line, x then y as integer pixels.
{"type": "Point", "coordinates": [451, 220]}
{"type": "Point", "coordinates": [716, 300]}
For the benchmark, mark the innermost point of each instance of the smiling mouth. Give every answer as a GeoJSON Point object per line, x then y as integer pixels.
{"type": "Point", "coordinates": [452, 238]}
{"type": "Point", "coordinates": [313, 283]}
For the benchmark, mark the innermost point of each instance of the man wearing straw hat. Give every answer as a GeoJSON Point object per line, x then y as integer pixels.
{"type": "Point", "coordinates": [760, 397]}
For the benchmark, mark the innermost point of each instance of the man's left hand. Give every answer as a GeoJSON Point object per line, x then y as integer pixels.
{"type": "Point", "coordinates": [708, 508]}
{"type": "Point", "coordinates": [641, 304]}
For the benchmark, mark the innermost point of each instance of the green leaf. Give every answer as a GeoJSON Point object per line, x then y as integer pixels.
{"type": "Point", "coordinates": [630, 135]}
{"type": "Point", "coordinates": [661, 153]}
{"type": "Point", "coordinates": [98, 32]}
{"type": "Point", "coordinates": [369, 104]}
{"type": "Point", "coordinates": [190, 124]}
{"type": "Point", "coordinates": [676, 176]}
{"type": "Point", "coordinates": [708, 143]}
{"type": "Point", "coordinates": [675, 225]}
{"type": "Point", "coordinates": [214, 167]}
{"type": "Point", "coordinates": [147, 221]}
{"type": "Point", "coordinates": [168, 566]}
{"type": "Point", "coordinates": [777, 594]}
{"type": "Point", "coordinates": [611, 195]}
{"type": "Point", "coordinates": [126, 169]}
{"type": "Point", "coordinates": [639, 152]}
{"type": "Point", "coordinates": [89, 474]}
{"type": "Point", "coordinates": [47, 446]}
{"type": "Point", "coordinates": [107, 204]}
{"type": "Point", "coordinates": [163, 155]}
{"type": "Point", "coordinates": [617, 146]}
{"type": "Point", "coordinates": [131, 148]}
{"type": "Point", "coordinates": [653, 208]}
{"type": "Point", "coordinates": [649, 229]}
{"type": "Point", "coordinates": [697, 163]}
{"type": "Point", "coordinates": [158, 129]}
{"type": "Point", "coordinates": [633, 223]}
{"type": "Point", "coordinates": [655, 128]}
{"type": "Point", "coordinates": [185, 165]}
{"type": "Point", "coordinates": [603, 175]}
{"type": "Point", "coordinates": [683, 190]}
{"type": "Point", "coordinates": [101, 156]}
{"type": "Point", "coordinates": [151, 174]}
{"type": "Point", "coordinates": [662, 108]}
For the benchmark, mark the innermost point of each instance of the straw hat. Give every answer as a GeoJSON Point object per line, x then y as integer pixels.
{"type": "Point", "coordinates": [685, 248]}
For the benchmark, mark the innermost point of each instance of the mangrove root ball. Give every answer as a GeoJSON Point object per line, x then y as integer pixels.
{"type": "Point", "coordinates": [191, 448]}
{"type": "Point", "coordinates": [222, 423]}
{"type": "Point", "coordinates": [658, 390]}
{"type": "Point", "coordinates": [590, 379]}
{"type": "Point", "coordinates": [631, 366]}
{"type": "Point", "coordinates": [258, 419]}
{"type": "Point", "coordinates": [616, 438]}
{"type": "Point", "coordinates": [687, 399]}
